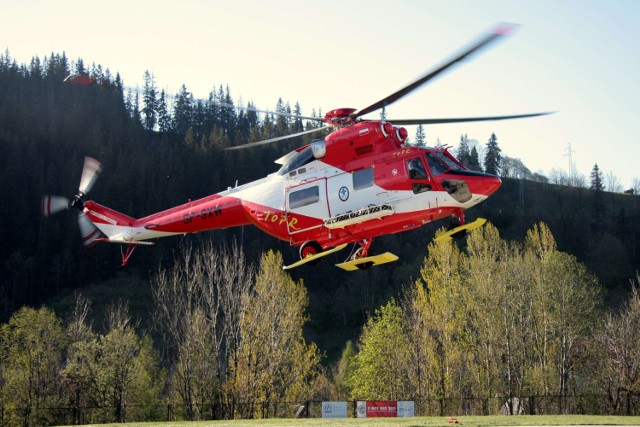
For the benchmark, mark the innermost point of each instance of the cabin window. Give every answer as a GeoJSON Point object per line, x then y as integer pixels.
{"type": "Point", "coordinates": [307, 196]}
{"type": "Point", "coordinates": [419, 187]}
{"type": "Point", "coordinates": [362, 178]}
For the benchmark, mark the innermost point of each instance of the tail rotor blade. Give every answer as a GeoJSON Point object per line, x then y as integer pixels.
{"type": "Point", "coordinates": [90, 172]}
{"type": "Point", "coordinates": [88, 231]}
{"type": "Point", "coordinates": [53, 204]}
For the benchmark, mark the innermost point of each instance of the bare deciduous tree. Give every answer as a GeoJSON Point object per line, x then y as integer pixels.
{"type": "Point", "coordinates": [199, 306]}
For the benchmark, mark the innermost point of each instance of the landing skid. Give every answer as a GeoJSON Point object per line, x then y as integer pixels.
{"type": "Point", "coordinates": [368, 262]}
{"type": "Point", "coordinates": [314, 257]}
{"type": "Point", "coordinates": [448, 235]}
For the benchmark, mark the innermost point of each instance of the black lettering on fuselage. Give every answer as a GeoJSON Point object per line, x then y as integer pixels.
{"type": "Point", "coordinates": [188, 218]}
{"type": "Point", "coordinates": [209, 213]}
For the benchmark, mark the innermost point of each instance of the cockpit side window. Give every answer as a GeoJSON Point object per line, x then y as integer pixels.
{"type": "Point", "coordinates": [416, 169]}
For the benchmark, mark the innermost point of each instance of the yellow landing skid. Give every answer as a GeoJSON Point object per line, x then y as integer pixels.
{"type": "Point", "coordinates": [314, 257]}
{"type": "Point", "coordinates": [366, 262]}
{"type": "Point", "coordinates": [467, 227]}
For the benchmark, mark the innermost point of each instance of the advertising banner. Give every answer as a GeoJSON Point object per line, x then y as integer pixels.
{"type": "Point", "coordinates": [334, 409]}
{"type": "Point", "coordinates": [361, 409]}
{"type": "Point", "coordinates": [406, 408]}
{"type": "Point", "coordinates": [377, 408]}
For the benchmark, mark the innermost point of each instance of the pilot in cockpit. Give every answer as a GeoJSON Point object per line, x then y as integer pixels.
{"type": "Point", "coordinates": [416, 169]}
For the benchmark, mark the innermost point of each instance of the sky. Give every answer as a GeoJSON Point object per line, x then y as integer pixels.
{"type": "Point", "coordinates": [578, 58]}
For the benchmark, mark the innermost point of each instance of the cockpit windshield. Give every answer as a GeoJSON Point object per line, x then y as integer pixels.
{"type": "Point", "coordinates": [301, 158]}
{"type": "Point", "coordinates": [440, 162]}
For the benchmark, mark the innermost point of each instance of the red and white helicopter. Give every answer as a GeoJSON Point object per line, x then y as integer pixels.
{"type": "Point", "coordinates": [359, 182]}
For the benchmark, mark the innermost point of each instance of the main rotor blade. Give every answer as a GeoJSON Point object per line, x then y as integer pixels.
{"type": "Point", "coordinates": [295, 116]}
{"type": "Point", "coordinates": [464, 119]}
{"type": "Point", "coordinates": [279, 138]}
{"type": "Point", "coordinates": [90, 172]}
{"type": "Point", "coordinates": [500, 31]}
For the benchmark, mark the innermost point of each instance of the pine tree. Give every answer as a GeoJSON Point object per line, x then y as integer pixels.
{"type": "Point", "coordinates": [79, 68]}
{"type": "Point", "coordinates": [464, 156]}
{"type": "Point", "coordinates": [493, 156]}
{"type": "Point", "coordinates": [597, 184]}
{"type": "Point", "coordinates": [252, 117]}
{"type": "Point", "coordinates": [474, 160]}
{"type": "Point", "coordinates": [150, 102]}
{"type": "Point", "coordinates": [228, 118]}
{"type": "Point", "coordinates": [421, 138]}
{"type": "Point", "coordinates": [297, 121]}
{"type": "Point", "coordinates": [282, 121]}
{"type": "Point", "coordinates": [135, 109]}
{"type": "Point", "coordinates": [182, 111]}
{"type": "Point", "coordinates": [164, 119]}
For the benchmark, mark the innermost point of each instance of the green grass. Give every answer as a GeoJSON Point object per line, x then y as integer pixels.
{"type": "Point", "coordinates": [471, 421]}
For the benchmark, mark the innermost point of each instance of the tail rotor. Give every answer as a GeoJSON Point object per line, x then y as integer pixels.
{"type": "Point", "coordinates": [54, 204]}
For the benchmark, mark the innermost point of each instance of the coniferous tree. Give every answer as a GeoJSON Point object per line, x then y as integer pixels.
{"type": "Point", "coordinates": [597, 187]}
{"type": "Point", "coordinates": [297, 121]}
{"type": "Point", "coordinates": [150, 102]}
{"type": "Point", "coordinates": [421, 138]}
{"type": "Point", "coordinates": [135, 109]}
{"type": "Point", "coordinates": [97, 73]}
{"type": "Point", "coordinates": [474, 160]}
{"type": "Point", "coordinates": [252, 117]}
{"type": "Point", "coordinates": [182, 111]}
{"type": "Point", "coordinates": [493, 156]}
{"type": "Point", "coordinates": [164, 119]}
{"type": "Point", "coordinates": [597, 183]}
{"type": "Point", "coordinates": [79, 68]}
{"type": "Point", "coordinates": [199, 121]}
{"type": "Point", "coordinates": [35, 69]}
{"type": "Point", "coordinates": [231, 118]}
{"type": "Point", "coordinates": [282, 121]}
{"type": "Point", "coordinates": [464, 156]}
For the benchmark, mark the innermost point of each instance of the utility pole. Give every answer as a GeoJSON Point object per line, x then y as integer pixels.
{"type": "Point", "coordinates": [568, 153]}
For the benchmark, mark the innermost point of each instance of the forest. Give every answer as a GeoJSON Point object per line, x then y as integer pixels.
{"type": "Point", "coordinates": [158, 150]}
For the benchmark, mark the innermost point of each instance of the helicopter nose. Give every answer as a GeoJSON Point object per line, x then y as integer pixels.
{"type": "Point", "coordinates": [483, 183]}
{"type": "Point", "coordinates": [490, 185]}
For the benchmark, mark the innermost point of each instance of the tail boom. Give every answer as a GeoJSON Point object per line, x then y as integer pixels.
{"type": "Point", "coordinates": [210, 213]}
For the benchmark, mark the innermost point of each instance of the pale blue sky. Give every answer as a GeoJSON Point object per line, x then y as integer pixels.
{"type": "Point", "coordinates": [580, 58]}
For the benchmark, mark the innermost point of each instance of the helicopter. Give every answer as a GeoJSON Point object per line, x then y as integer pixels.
{"type": "Point", "coordinates": [359, 182]}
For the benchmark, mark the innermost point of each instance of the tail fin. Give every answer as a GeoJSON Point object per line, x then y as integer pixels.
{"type": "Point", "coordinates": [113, 224]}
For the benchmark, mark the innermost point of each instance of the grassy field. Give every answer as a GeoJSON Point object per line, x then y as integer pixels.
{"type": "Point", "coordinates": [519, 420]}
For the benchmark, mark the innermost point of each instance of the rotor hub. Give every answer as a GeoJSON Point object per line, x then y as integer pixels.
{"type": "Point", "coordinates": [340, 117]}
